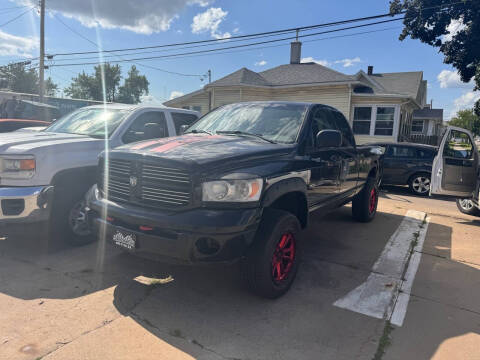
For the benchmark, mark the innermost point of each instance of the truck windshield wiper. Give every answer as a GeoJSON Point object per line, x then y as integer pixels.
{"type": "Point", "coordinates": [237, 132]}
{"type": "Point", "coordinates": [195, 131]}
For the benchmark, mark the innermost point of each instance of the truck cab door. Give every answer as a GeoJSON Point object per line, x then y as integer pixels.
{"type": "Point", "coordinates": [455, 168]}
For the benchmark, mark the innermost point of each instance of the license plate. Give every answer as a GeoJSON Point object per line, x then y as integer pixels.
{"type": "Point", "coordinates": [125, 240]}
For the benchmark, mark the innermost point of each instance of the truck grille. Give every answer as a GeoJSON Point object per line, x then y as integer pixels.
{"type": "Point", "coordinates": [146, 184]}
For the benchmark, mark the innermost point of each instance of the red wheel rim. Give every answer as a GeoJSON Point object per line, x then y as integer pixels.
{"type": "Point", "coordinates": [373, 201]}
{"type": "Point", "coordinates": [283, 257]}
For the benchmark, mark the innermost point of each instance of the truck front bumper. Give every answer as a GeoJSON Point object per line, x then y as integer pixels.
{"type": "Point", "coordinates": [192, 236]}
{"type": "Point", "coordinates": [25, 204]}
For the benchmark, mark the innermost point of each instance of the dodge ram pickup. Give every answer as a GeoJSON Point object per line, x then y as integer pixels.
{"type": "Point", "coordinates": [239, 184]}
{"type": "Point", "coordinates": [44, 175]}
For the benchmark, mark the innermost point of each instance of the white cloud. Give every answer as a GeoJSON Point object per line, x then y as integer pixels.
{"type": "Point", "coordinates": [311, 59]}
{"type": "Point", "coordinates": [12, 45]}
{"type": "Point", "coordinates": [451, 79]}
{"type": "Point", "coordinates": [140, 16]}
{"type": "Point", "coordinates": [174, 94]}
{"type": "Point", "coordinates": [453, 29]}
{"type": "Point", "coordinates": [349, 62]}
{"type": "Point", "coordinates": [201, 3]}
{"type": "Point", "coordinates": [209, 21]}
{"type": "Point", "coordinates": [466, 101]}
{"type": "Point", "coordinates": [150, 100]}
{"type": "Point", "coordinates": [261, 63]}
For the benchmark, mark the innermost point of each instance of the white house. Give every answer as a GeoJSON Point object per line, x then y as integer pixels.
{"type": "Point", "coordinates": [379, 106]}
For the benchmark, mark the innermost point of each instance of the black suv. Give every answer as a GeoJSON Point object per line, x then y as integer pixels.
{"type": "Point", "coordinates": [408, 164]}
{"type": "Point", "coordinates": [239, 184]}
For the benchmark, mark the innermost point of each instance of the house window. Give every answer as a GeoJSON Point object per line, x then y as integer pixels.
{"type": "Point", "coordinates": [417, 126]}
{"type": "Point", "coordinates": [362, 117]}
{"type": "Point", "coordinates": [384, 121]}
{"type": "Point", "coordinates": [374, 120]}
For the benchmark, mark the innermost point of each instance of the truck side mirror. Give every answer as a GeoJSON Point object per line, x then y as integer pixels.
{"type": "Point", "coordinates": [153, 131]}
{"type": "Point", "coordinates": [182, 129]}
{"type": "Point", "coordinates": [329, 138]}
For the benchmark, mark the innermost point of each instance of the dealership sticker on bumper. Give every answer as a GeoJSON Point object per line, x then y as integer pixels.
{"type": "Point", "coordinates": [125, 240]}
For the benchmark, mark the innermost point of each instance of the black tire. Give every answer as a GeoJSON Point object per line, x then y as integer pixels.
{"type": "Point", "coordinates": [259, 269]}
{"type": "Point", "coordinates": [364, 204]}
{"type": "Point", "coordinates": [68, 203]}
{"type": "Point", "coordinates": [466, 206]}
{"type": "Point", "coordinates": [420, 184]}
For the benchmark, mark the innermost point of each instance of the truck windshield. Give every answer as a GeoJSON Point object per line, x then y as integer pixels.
{"type": "Point", "coordinates": [275, 122]}
{"type": "Point", "coordinates": [96, 122]}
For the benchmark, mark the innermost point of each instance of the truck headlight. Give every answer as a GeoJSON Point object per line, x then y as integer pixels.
{"type": "Point", "coordinates": [17, 167]}
{"type": "Point", "coordinates": [238, 190]}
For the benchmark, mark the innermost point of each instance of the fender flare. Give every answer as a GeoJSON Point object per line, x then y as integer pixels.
{"type": "Point", "coordinates": [76, 178]}
{"type": "Point", "coordinates": [283, 187]}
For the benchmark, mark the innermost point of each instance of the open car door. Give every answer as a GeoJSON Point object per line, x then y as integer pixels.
{"type": "Point", "coordinates": [455, 170]}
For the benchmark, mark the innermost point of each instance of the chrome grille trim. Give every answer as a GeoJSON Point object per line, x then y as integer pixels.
{"type": "Point", "coordinates": [158, 186]}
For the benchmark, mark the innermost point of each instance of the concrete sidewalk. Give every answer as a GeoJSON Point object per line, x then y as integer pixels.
{"type": "Point", "coordinates": [99, 303]}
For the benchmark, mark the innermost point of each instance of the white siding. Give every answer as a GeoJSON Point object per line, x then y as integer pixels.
{"type": "Point", "coordinates": [196, 100]}
{"type": "Point", "coordinates": [336, 96]}
{"type": "Point", "coordinates": [225, 96]}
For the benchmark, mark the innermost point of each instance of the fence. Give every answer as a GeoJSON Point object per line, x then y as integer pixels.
{"type": "Point", "coordinates": [422, 139]}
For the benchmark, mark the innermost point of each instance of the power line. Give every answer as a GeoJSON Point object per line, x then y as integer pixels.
{"type": "Point", "coordinates": [301, 28]}
{"type": "Point", "coordinates": [16, 17]}
{"type": "Point", "coordinates": [237, 46]}
{"type": "Point", "coordinates": [278, 32]}
{"type": "Point", "coordinates": [118, 56]}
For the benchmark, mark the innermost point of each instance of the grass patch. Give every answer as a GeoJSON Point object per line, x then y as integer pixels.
{"type": "Point", "coordinates": [385, 341]}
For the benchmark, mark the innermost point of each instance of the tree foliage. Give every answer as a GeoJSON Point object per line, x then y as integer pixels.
{"type": "Point", "coordinates": [108, 77]}
{"type": "Point", "coordinates": [16, 77]}
{"type": "Point", "coordinates": [134, 87]}
{"type": "Point", "coordinates": [467, 119]}
{"type": "Point", "coordinates": [452, 26]}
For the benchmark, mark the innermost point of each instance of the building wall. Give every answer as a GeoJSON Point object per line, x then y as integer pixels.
{"type": "Point", "coordinates": [403, 114]}
{"type": "Point", "coordinates": [200, 100]}
{"type": "Point", "coordinates": [336, 96]}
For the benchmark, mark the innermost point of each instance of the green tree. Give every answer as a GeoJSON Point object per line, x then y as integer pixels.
{"type": "Point", "coordinates": [85, 86]}
{"type": "Point", "coordinates": [134, 87]}
{"type": "Point", "coordinates": [50, 87]}
{"type": "Point", "coordinates": [16, 77]}
{"type": "Point", "coordinates": [430, 21]}
{"type": "Point", "coordinates": [90, 87]}
{"type": "Point", "coordinates": [467, 119]}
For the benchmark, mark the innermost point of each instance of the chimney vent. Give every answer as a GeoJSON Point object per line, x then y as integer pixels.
{"type": "Point", "coordinates": [295, 52]}
{"type": "Point", "coordinates": [370, 70]}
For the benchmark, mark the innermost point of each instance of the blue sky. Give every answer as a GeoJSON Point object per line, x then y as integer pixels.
{"type": "Point", "coordinates": [119, 24]}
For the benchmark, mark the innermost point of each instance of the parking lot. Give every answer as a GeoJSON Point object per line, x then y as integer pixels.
{"type": "Point", "coordinates": [96, 302]}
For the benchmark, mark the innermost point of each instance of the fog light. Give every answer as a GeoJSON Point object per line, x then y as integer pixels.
{"type": "Point", "coordinates": [207, 246]}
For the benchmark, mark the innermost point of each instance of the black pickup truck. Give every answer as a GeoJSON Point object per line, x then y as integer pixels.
{"type": "Point", "coordinates": [239, 184]}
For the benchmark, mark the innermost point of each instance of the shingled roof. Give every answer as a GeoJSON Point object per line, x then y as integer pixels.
{"type": "Point", "coordinates": [284, 75]}
{"type": "Point", "coordinates": [403, 83]}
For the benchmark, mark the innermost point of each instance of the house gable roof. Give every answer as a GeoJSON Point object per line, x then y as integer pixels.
{"type": "Point", "coordinates": [243, 76]}
{"type": "Point", "coordinates": [427, 113]}
{"type": "Point", "coordinates": [284, 75]}
{"type": "Point", "coordinates": [402, 83]}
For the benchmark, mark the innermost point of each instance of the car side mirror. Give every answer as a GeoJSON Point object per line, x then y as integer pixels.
{"type": "Point", "coordinates": [329, 138]}
{"type": "Point", "coordinates": [182, 129]}
{"type": "Point", "coordinates": [153, 131]}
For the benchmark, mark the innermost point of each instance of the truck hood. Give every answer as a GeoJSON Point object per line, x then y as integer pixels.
{"type": "Point", "coordinates": [202, 149]}
{"type": "Point", "coordinates": [30, 142]}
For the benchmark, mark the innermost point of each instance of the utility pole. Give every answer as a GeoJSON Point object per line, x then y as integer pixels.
{"type": "Point", "coordinates": [42, 51]}
{"type": "Point", "coordinates": [209, 76]}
